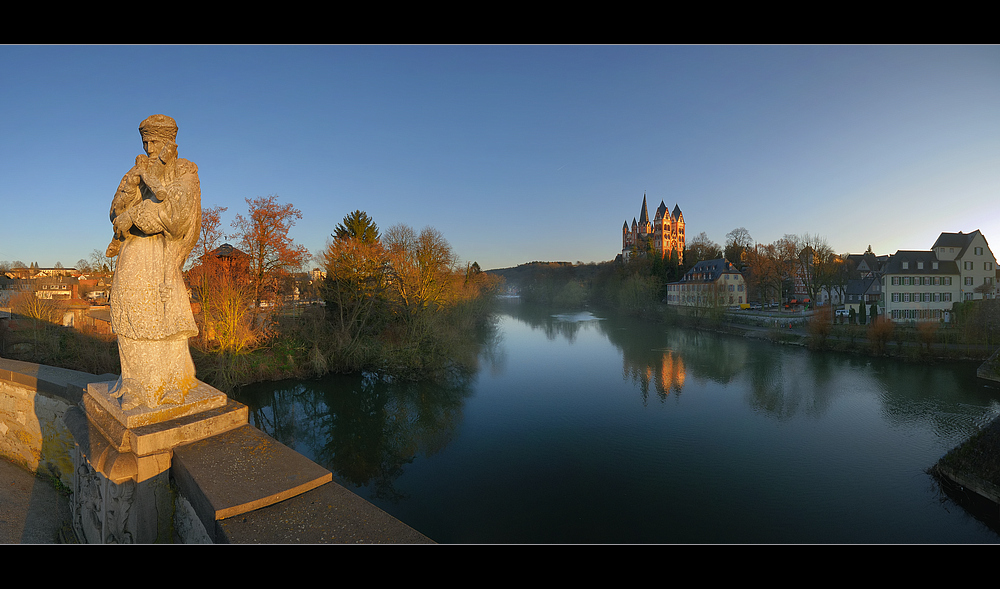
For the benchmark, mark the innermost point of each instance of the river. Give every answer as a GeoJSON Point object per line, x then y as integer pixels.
{"type": "Point", "coordinates": [579, 427]}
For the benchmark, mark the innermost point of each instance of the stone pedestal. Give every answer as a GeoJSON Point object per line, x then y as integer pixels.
{"type": "Point", "coordinates": [121, 491]}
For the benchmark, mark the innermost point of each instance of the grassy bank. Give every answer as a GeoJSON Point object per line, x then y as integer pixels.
{"type": "Point", "coordinates": [303, 344]}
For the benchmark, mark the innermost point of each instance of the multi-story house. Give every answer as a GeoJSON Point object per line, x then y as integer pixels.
{"type": "Point", "coordinates": [55, 287]}
{"type": "Point", "coordinates": [864, 283]}
{"type": "Point", "coordinates": [976, 263]}
{"type": "Point", "coordinates": [923, 285]}
{"type": "Point", "coordinates": [920, 287]}
{"type": "Point", "coordinates": [863, 292]}
{"type": "Point", "coordinates": [11, 287]}
{"type": "Point", "coordinates": [710, 284]}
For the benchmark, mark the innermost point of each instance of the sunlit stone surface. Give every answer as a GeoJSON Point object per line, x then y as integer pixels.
{"type": "Point", "coordinates": [156, 213]}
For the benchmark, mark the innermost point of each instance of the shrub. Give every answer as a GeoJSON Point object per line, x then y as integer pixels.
{"type": "Point", "coordinates": [819, 327]}
{"type": "Point", "coordinates": [880, 331]}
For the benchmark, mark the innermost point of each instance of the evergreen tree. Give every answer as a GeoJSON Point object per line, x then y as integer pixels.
{"type": "Point", "coordinates": [357, 225]}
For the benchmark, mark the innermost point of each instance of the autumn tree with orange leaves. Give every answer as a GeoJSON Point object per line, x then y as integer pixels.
{"type": "Point", "coordinates": [219, 279]}
{"type": "Point", "coordinates": [263, 235]}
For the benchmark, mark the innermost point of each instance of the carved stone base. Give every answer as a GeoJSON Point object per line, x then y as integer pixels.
{"type": "Point", "coordinates": [126, 513]}
{"type": "Point", "coordinates": [122, 460]}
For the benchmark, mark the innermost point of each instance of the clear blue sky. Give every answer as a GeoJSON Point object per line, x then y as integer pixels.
{"type": "Point", "coordinates": [515, 153]}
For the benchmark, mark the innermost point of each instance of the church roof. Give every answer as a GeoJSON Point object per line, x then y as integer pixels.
{"type": "Point", "coordinates": [677, 211]}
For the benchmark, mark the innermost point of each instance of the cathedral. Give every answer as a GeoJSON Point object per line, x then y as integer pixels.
{"type": "Point", "coordinates": [666, 232]}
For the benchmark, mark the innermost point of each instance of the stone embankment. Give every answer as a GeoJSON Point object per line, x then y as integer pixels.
{"type": "Point", "coordinates": [229, 488]}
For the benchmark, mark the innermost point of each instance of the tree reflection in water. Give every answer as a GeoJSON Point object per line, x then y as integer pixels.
{"type": "Point", "coordinates": [365, 429]}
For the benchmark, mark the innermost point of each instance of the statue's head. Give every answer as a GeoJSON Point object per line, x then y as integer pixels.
{"type": "Point", "coordinates": [158, 132]}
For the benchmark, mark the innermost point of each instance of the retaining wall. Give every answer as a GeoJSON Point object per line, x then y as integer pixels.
{"type": "Point", "coordinates": [33, 434]}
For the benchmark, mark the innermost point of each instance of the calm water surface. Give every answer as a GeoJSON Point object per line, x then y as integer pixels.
{"type": "Point", "coordinates": [585, 428]}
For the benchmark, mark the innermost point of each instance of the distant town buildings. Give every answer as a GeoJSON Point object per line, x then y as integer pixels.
{"type": "Point", "coordinates": [74, 299]}
{"type": "Point", "coordinates": [664, 235]}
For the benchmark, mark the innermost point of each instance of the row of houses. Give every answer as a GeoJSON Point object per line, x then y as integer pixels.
{"type": "Point", "coordinates": [81, 299]}
{"type": "Point", "coordinates": [910, 285]}
{"type": "Point", "coordinates": [923, 285]}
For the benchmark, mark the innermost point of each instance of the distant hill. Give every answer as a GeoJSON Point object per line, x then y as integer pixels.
{"type": "Point", "coordinates": [535, 273]}
{"type": "Point", "coordinates": [529, 271]}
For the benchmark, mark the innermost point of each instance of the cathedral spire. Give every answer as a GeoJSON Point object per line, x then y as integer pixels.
{"type": "Point", "coordinates": [643, 214]}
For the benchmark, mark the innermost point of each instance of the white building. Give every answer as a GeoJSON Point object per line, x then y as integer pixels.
{"type": "Point", "coordinates": [920, 287]}
{"type": "Point", "coordinates": [976, 263]}
{"type": "Point", "coordinates": [711, 283]}
{"type": "Point", "coordinates": [923, 285]}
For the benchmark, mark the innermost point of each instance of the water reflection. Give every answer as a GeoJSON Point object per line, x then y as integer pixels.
{"type": "Point", "coordinates": [363, 428]}
{"type": "Point", "coordinates": [581, 426]}
{"type": "Point", "coordinates": [554, 323]}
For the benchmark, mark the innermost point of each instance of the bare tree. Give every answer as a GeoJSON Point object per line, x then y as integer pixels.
{"type": "Point", "coordinates": [738, 241]}
{"type": "Point", "coordinates": [100, 262]}
{"type": "Point", "coordinates": [701, 248]}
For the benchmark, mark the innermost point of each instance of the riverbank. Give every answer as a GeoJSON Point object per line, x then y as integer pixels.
{"type": "Point", "coordinates": [971, 473]}
{"type": "Point", "coordinates": [905, 343]}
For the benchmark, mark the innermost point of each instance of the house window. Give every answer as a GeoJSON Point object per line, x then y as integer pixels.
{"type": "Point", "coordinates": [920, 265]}
{"type": "Point", "coordinates": [979, 251]}
{"type": "Point", "coordinates": [987, 265]}
{"type": "Point", "coordinates": [906, 265]}
{"type": "Point", "coordinates": [968, 281]}
{"type": "Point", "coordinates": [968, 265]}
{"type": "Point", "coordinates": [934, 265]}
{"type": "Point", "coordinates": [895, 297]}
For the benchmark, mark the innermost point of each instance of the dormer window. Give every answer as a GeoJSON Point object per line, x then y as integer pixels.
{"type": "Point", "coordinates": [934, 265]}
{"type": "Point", "coordinates": [906, 265]}
{"type": "Point", "coordinates": [920, 265]}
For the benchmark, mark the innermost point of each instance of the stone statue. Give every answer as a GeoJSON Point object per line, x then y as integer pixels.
{"type": "Point", "coordinates": [156, 214]}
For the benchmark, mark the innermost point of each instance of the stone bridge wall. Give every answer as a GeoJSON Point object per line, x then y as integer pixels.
{"type": "Point", "coordinates": [32, 432]}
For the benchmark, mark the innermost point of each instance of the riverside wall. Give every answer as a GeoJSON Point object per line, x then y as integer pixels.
{"type": "Point", "coordinates": [34, 399]}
